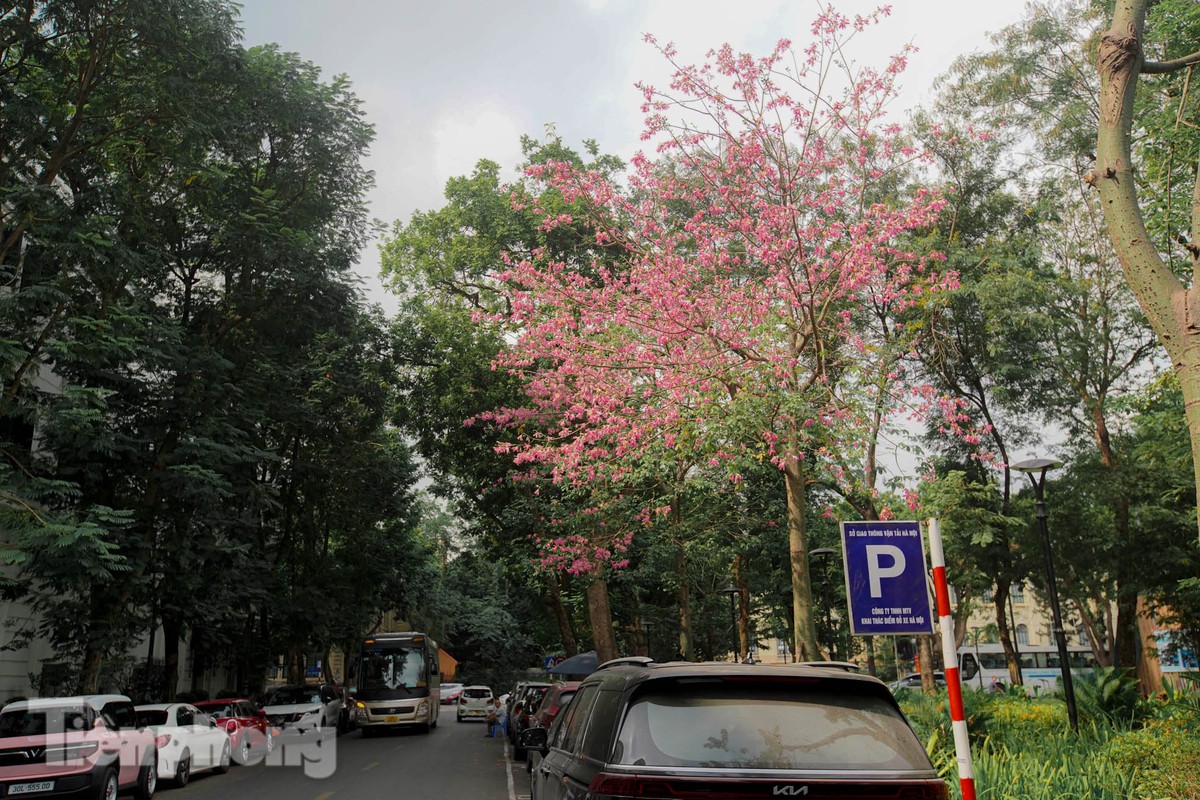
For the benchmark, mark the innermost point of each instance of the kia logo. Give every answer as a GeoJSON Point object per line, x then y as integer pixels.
{"type": "Point", "coordinates": [790, 791]}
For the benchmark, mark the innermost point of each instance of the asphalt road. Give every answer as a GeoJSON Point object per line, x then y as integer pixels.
{"type": "Point", "coordinates": [453, 761]}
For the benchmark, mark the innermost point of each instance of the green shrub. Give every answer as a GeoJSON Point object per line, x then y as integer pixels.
{"type": "Point", "coordinates": [1164, 755]}
{"type": "Point", "coordinates": [1023, 748]}
{"type": "Point", "coordinates": [1107, 694]}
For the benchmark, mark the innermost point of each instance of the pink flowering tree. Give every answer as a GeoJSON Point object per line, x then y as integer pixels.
{"type": "Point", "coordinates": [755, 311]}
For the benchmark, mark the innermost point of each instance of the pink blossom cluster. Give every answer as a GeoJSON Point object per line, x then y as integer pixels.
{"type": "Point", "coordinates": [580, 555]}
{"type": "Point", "coordinates": [755, 302]}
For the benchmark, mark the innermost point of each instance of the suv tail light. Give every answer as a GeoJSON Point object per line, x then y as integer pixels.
{"type": "Point", "coordinates": [646, 787]}
{"type": "Point", "coordinates": [231, 726]}
{"type": "Point", "coordinates": [162, 741]}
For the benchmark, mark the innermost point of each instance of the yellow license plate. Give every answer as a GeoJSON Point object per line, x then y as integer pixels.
{"type": "Point", "coordinates": [391, 718]}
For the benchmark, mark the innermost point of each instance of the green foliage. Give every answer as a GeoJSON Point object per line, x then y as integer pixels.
{"type": "Point", "coordinates": [1164, 755]}
{"type": "Point", "coordinates": [213, 447]}
{"type": "Point", "coordinates": [1058, 767]}
{"type": "Point", "coordinates": [1023, 748]}
{"type": "Point", "coordinates": [1107, 694]}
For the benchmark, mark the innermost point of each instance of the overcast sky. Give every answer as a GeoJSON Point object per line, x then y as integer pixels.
{"type": "Point", "coordinates": [448, 82]}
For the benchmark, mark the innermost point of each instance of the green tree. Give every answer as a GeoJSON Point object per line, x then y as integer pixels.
{"type": "Point", "coordinates": [1170, 304]}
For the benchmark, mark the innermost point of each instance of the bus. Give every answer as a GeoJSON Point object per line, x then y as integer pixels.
{"type": "Point", "coordinates": [397, 682]}
{"type": "Point", "coordinates": [1040, 665]}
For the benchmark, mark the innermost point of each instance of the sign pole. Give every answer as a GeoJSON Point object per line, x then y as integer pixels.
{"type": "Point", "coordinates": [962, 743]}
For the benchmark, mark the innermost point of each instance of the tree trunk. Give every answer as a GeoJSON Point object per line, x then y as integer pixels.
{"type": "Point", "coordinates": [871, 656]}
{"type": "Point", "coordinates": [687, 645]}
{"type": "Point", "coordinates": [1102, 654]}
{"type": "Point", "coordinates": [805, 628]}
{"type": "Point", "coordinates": [1149, 671]}
{"type": "Point", "coordinates": [1006, 636]}
{"type": "Point", "coordinates": [565, 632]}
{"type": "Point", "coordinates": [743, 617]}
{"type": "Point", "coordinates": [603, 638]}
{"type": "Point", "coordinates": [1172, 310]}
{"type": "Point", "coordinates": [1125, 634]}
{"type": "Point", "coordinates": [925, 653]}
{"type": "Point", "coordinates": [171, 634]}
{"type": "Point", "coordinates": [89, 676]}
{"type": "Point", "coordinates": [199, 662]}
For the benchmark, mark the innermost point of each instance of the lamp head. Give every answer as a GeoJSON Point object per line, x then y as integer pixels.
{"type": "Point", "coordinates": [1035, 465]}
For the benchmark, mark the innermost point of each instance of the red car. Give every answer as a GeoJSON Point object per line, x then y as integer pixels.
{"type": "Point", "coordinates": [250, 732]}
{"type": "Point", "coordinates": [554, 701]}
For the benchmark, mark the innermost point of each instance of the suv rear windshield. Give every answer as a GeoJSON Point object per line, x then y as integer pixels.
{"type": "Point", "coordinates": [788, 725]}
{"type": "Point", "coordinates": [475, 694]}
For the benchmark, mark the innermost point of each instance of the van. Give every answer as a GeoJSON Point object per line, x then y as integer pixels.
{"type": "Point", "coordinates": [474, 702]}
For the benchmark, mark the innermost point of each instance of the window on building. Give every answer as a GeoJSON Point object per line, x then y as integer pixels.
{"type": "Point", "coordinates": [781, 647]}
{"type": "Point", "coordinates": [1022, 634]}
{"type": "Point", "coordinates": [989, 596]}
{"type": "Point", "coordinates": [1081, 632]}
{"type": "Point", "coordinates": [1018, 593]}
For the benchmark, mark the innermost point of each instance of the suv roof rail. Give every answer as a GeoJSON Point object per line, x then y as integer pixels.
{"type": "Point", "coordinates": [637, 661]}
{"type": "Point", "coordinates": [847, 666]}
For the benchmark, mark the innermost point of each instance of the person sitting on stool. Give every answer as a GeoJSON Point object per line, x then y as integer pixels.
{"type": "Point", "coordinates": [497, 718]}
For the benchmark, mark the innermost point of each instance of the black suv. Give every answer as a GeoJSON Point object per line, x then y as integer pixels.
{"type": "Point", "coordinates": [523, 707]}
{"type": "Point", "coordinates": [637, 729]}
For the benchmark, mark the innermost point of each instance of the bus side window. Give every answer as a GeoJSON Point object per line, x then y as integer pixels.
{"type": "Point", "coordinates": [353, 674]}
{"type": "Point", "coordinates": [969, 668]}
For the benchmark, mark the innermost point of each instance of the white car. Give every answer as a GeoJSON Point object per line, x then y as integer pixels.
{"type": "Point", "coordinates": [474, 702]}
{"type": "Point", "coordinates": [188, 740]}
{"type": "Point", "coordinates": [303, 708]}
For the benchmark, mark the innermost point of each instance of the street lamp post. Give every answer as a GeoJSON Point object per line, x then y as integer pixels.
{"type": "Point", "coordinates": [1039, 466]}
{"type": "Point", "coordinates": [733, 591]}
{"type": "Point", "coordinates": [828, 593]}
{"type": "Point", "coordinates": [646, 624]}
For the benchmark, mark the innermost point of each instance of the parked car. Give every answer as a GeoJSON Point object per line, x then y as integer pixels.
{"type": "Point", "coordinates": [510, 697]}
{"type": "Point", "coordinates": [89, 746]}
{"type": "Point", "coordinates": [636, 729]}
{"type": "Point", "coordinates": [522, 710]}
{"type": "Point", "coordinates": [187, 740]}
{"type": "Point", "coordinates": [250, 732]}
{"type": "Point", "coordinates": [473, 702]}
{"type": "Point", "coordinates": [450, 693]}
{"type": "Point", "coordinates": [559, 695]}
{"type": "Point", "coordinates": [303, 707]}
{"type": "Point", "coordinates": [913, 681]}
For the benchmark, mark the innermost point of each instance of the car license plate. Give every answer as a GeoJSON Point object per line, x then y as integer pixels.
{"type": "Point", "coordinates": [30, 788]}
{"type": "Point", "coordinates": [391, 718]}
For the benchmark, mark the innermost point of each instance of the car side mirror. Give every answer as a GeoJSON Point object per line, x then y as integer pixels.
{"type": "Point", "coordinates": [534, 739]}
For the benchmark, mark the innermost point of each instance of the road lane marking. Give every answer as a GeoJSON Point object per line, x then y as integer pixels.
{"type": "Point", "coordinates": [324, 796]}
{"type": "Point", "coordinates": [372, 765]}
{"type": "Point", "coordinates": [512, 792]}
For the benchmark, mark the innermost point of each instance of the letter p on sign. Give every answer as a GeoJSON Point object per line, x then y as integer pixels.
{"type": "Point", "coordinates": [876, 571]}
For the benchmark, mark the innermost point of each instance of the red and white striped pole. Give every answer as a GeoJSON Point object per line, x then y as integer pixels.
{"type": "Point", "coordinates": [941, 590]}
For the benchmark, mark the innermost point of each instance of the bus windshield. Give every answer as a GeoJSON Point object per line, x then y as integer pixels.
{"type": "Point", "coordinates": [393, 668]}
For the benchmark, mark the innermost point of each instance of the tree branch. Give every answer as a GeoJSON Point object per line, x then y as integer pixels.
{"type": "Point", "coordinates": [1161, 67]}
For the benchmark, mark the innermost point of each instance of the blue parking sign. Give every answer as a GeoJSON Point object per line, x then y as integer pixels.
{"type": "Point", "coordinates": [887, 586]}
